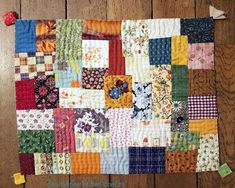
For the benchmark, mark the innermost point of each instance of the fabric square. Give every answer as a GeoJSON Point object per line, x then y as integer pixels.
{"type": "Point", "coordinates": [154, 133]}
{"type": "Point", "coordinates": [101, 29]}
{"type": "Point", "coordinates": [68, 74]}
{"type": "Point", "coordinates": [95, 53]}
{"type": "Point", "coordinates": [92, 78]}
{"type": "Point", "coordinates": [142, 101]}
{"type": "Point", "coordinates": [25, 97]}
{"type": "Point", "coordinates": [146, 160]}
{"type": "Point", "coordinates": [208, 153]}
{"type": "Point", "coordinates": [181, 161]}
{"type": "Point", "coordinates": [160, 51]}
{"type": "Point", "coordinates": [163, 28]}
{"type": "Point", "coordinates": [135, 37]}
{"type": "Point", "coordinates": [179, 82]}
{"type": "Point", "coordinates": [201, 56]}
{"type": "Point", "coordinates": [198, 30]}
{"type": "Point", "coordinates": [115, 162]}
{"type": "Point", "coordinates": [35, 119]}
{"type": "Point", "coordinates": [202, 107]}
{"type": "Point", "coordinates": [61, 163]}
{"type": "Point", "coordinates": [118, 91]}
{"type": "Point", "coordinates": [85, 163]}
{"type": "Point", "coordinates": [179, 50]}
{"type": "Point", "coordinates": [120, 124]}
{"type": "Point", "coordinates": [46, 35]}
{"type": "Point", "coordinates": [29, 139]}
{"type": "Point", "coordinates": [202, 82]}
{"type": "Point", "coordinates": [179, 116]}
{"type": "Point", "coordinates": [25, 36]}
{"type": "Point", "coordinates": [69, 39]}
{"type": "Point", "coordinates": [204, 127]}
{"type": "Point", "coordinates": [116, 59]}
{"type": "Point", "coordinates": [64, 121]}
{"type": "Point", "coordinates": [138, 68]}
{"type": "Point", "coordinates": [46, 94]}
{"type": "Point", "coordinates": [26, 164]}
{"type": "Point", "coordinates": [43, 163]}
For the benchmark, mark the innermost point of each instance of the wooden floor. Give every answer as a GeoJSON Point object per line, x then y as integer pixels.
{"type": "Point", "coordinates": [120, 9]}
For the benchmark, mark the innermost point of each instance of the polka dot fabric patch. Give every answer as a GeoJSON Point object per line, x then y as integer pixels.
{"type": "Point", "coordinates": [116, 97]}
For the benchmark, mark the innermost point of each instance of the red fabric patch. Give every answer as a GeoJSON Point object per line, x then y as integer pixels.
{"type": "Point", "coordinates": [116, 60]}
{"type": "Point", "coordinates": [26, 163]}
{"type": "Point", "coordinates": [9, 18]}
{"type": "Point", "coordinates": [25, 97]}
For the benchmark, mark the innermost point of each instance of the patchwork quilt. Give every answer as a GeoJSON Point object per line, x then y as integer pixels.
{"type": "Point", "coordinates": [116, 97]}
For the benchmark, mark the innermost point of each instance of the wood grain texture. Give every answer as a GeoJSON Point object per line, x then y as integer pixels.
{"type": "Point", "coordinates": [224, 29]}
{"type": "Point", "coordinates": [128, 9]}
{"type": "Point", "coordinates": [92, 9]}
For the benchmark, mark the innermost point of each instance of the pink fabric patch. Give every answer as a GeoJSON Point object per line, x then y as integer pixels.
{"type": "Point", "coordinates": [201, 56]}
{"type": "Point", "coordinates": [120, 124]}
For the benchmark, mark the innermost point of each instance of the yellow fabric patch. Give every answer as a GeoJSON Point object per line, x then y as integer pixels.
{"type": "Point", "coordinates": [18, 178]}
{"type": "Point", "coordinates": [179, 50]}
{"type": "Point", "coordinates": [204, 127]}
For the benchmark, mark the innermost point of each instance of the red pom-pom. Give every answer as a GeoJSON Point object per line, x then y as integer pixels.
{"type": "Point", "coordinates": [10, 17]}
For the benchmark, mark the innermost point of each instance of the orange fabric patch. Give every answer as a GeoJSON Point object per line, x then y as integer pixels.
{"type": "Point", "coordinates": [208, 126]}
{"type": "Point", "coordinates": [85, 163]}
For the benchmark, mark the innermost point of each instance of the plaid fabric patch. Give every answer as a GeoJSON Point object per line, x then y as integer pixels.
{"type": "Point", "coordinates": [202, 107]}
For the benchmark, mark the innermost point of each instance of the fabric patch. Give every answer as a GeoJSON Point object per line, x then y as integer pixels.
{"type": "Point", "coordinates": [35, 119]}
{"type": "Point", "coordinates": [116, 59]}
{"type": "Point", "coordinates": [163, 28]}
{"type": "Point", "coordinates": [101, 29]}
{"type": "Point", "coordinates": [64, 121]}
{"type": "Point", "coordinates": [26, 164]}
{"type": "Point", "coordinates": [68, 39]}
{"type": "Point", "coordinates": [46, 94]}
{"type": "Point", "coordinates": [179, 116]}
{"type": "Point", "coordinates": [118, 91]}
{"type": "Point", "coordinates": [208, 153]}
{"type": "Point", "coordinates": [25, 97]}
{"type": "Point", "coordinates": [181, 161]}
{"type": "Point", "coordinates": [154, 133]}
{"type": "Point", "coordinates": [202, 107]}
{"type": "Point", "coordinates": [43, 163]}
{"type": "Point", "coordinates": [202, 82]}
{"type": "Point", "coordinates": [115, 162]}
{"type": "Point", "coordinates": [120, 124]}
{"type": "Point", "coordinates": [28, 141]}
{"type": "Point", "coordinates": [95, 53]}
{"type": "Point", "coordinates": [143, 160]}
{"type": "Point", "coordinates": [198, 30]}
{"type": "Point", "coordinates": [208, 126]}
{"type": "Point", "coordinates": [135, 37]}
{"type": "Point", "coordinates": [46, 35]}
{"type": "Point", "coordinates": [179, 47]}
{"type": "Point", "coordinates": [85, 163]}
{"type": "Point", "coordinates": [25, 36]}
{"type": "Point", "coordinates": [142, 101]}
{"type": "Point", "coordinates": [160, 51]}
{"type": "Point", "coordinates": [184, 141]}
{"type": "Point", "coordinates": [92, 78]}
{"type": "Point", "coordinates": [201, 56]}
{"type": "Point", "coordinates": [179, 82]}
{"type": "Point", "coordinates": [138, 68]}
{"type": "Point", "coordinates": [29, 65]}
{"type": "Point", "coordinates": [61, 163]}
{"type": "Point", "coordinates": [68, 74]}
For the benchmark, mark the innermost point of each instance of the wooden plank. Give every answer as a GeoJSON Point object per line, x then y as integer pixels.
{"type": "Point", "coordinates": [92, 9]}
{"type": "Point", "coordinates": [225, 85]}
{"type": "Point", "coordinates": [224, 29]}
{"type": "Point", "coordinates": [129, 9]}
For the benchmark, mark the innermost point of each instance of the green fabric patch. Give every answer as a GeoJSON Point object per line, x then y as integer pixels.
{"type": "Point", "coordinates": [224, 170]}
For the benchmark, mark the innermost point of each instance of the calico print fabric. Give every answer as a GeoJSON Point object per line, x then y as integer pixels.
{"type": "Point", "coordinates": [116, 97]}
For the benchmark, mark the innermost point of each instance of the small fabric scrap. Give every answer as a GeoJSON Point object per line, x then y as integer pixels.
{"type": "Point", "coordinates": [224, 170]}
{"type": "Point", "coordinates": [204, 127]}
{"type": "Point", "coordinates": [179, 48]}
{"type": "Point", "coordinates": [43, 163]}
{"type": "Point", "coordinates": [61, 163]}
{"type": "Point", "coordinates": [26, 163]}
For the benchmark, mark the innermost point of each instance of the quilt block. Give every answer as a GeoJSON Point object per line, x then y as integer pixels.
{"type": "Point", "coordinates": [116, 97]}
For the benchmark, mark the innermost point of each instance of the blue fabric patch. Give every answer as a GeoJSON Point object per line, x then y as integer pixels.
{"type": "Point", "coordinates": [25, 36]}
{"type": "Point", "coordinates": [144, 160]}
{"type": "Point", "coordinates": [160, 51]}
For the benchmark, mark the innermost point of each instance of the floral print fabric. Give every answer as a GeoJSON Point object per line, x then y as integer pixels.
{"type": "Point", "coordinates": [61, 163]}
{"type": "Point", "coordinates": [43, 163]}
